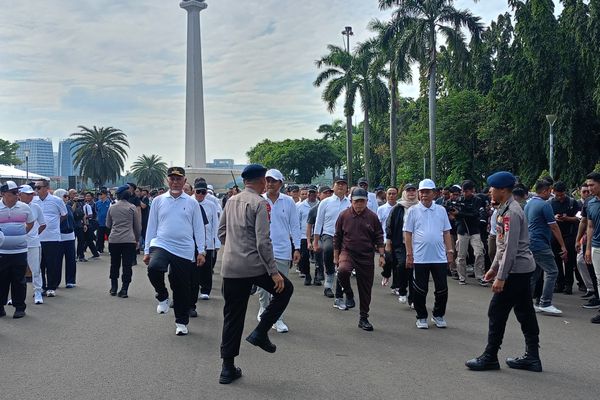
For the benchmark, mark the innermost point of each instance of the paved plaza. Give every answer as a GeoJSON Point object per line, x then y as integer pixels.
{"type": "Point", "coordinates": [85, 344]}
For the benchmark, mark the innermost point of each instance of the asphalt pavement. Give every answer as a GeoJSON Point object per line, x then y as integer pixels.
{"type": "Point", "coordinates": [85, 344]}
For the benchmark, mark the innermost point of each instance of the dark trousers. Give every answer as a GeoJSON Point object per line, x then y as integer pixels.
{"type": "Point", "coordinates": [202, 278]}
{"type": "Point", "coordinates": [405, 276]}
{"type": "Point", "coordinates": [121, 254]}
{"type": "Point", "coordinates": [566, 269]}
{"type": "Point", "coordinates": [100, 234]}
{"type": "Point", "coordinates": [180, 279]}
{"type": "Point", "coordinates": [439, 274]}
{"type": "Point", "coordinates": [80, 242]}
{"type": "Point", "coordinates": [12, 276]}
{"type": "Point", "coordinates": [304, 263]}
{"type": "Point", "coordinates": [364, 280]}
{"type": "Point", "coordinates": [327, 250]}
{"type": "Point", "coordinates": [50, 265]}
{"type": "Point", "coordinates": [90, 240]}
{"type": "Point", "coordinates": [67, 253]}
{"type": "Point", "coordinates": [516, 295]}
{"type": "Point", "coordinates": [236, 292]}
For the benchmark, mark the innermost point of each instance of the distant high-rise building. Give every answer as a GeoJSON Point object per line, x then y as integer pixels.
{"type": "Point", "coordinates": [41, 156]}
{"type": "Point", "coordinates": [65, 159]}
{"type": "Point", "coordinates": [55, 157]}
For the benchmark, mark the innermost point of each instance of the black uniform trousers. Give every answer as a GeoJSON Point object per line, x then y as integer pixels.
{"type": "Point", "coordinates": [236, 292]}
{"type": "Point", "coordinates": [567, 269]}
{"type": "Point", "coordinates": [51, 265]}
{"type": "Point", "coordinates": [12, 275]}
{"type": "Point", "coordinates": [100, 234]}
{"type": "Point", "coordinates": [439, 273]}
{"type": "Point", "coordinates": [121, 254]}
{"type": "Point", "coordinates": [516, 295]}
{"type": "Point", "coordinates": [180, 278]}
{"type": "Point", "coordinates": [304, 264]}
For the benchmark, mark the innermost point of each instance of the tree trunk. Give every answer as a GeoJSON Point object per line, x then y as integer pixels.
{"type": "Point", "coordinates": [367, 149]}
{"type": "Point", "coordinates": [432, 111]}
{"type": "Point", "coordinates": [394, 107]}
{"type": "Point", "coordinates": [349, 149]}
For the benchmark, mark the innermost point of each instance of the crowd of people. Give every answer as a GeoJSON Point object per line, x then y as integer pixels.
{"type": "Point", "coordinates": [528, 246]}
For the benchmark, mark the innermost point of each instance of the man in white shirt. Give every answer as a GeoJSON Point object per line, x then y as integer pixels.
{"type": "Point", "coordinates": [212, 227]}
{"type": "Point", "coordinates": [174, 226]}
{"type": "Point", "coordinates": [372, 201]}
{"type": "Point", "coordinates": [34, 247]}
{"type": "Point", "coordinates": [327, 215]}
{"type": "Point", "coordinates": [383, 213]}
{"type": "Point", "coordinates": [55, 211]}
{"type": "Point", "coordinates": [428, 251]}
{"type": "Point", "coordinates": [285, 225]}
{"type": "Point", "coordinates": [304, 208]}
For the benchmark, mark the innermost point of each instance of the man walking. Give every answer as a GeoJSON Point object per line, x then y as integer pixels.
{"type": "Point", "coordinates": [542, 226]}
{"type": "Point", "coordinates": [304, 208]}
{"type": "Point", "coordinates": [358, 233]}
{"type": "Point", "coordinates": [248, 260]}
{"type": "Point", "coordinates": [324, 192]}
{"type": "Point", "coordinates": [174, 224]}
{"type": "Point", "coordinates": [511, 272]}
{"type": "Point", "coordinates": [428, 251]}
{"type": "Point", "coordinates": [102, 206]}
{"type": "Point", "coordinates": [592, 250]}
{"type": "Point", "coordinates": [383, 213]}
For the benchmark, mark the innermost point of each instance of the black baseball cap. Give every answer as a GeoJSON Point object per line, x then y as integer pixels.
{"type": "Point", "coordinates": [324, 189]}
{"type": "Point", "coordinates": [340, 179]}
{"type": "Point", "coordinates": [200, 185]}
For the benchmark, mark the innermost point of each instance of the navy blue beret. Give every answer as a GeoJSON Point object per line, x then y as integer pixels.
{"type": "Point", "coordinates": [254, 171]}
{"type": "Point", "coordinates": [501, 180]}
{"type": "Point", "coordinates": [121, 189]}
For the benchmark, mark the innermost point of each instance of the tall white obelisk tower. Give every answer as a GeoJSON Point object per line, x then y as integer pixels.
{"type": "Point", "coordinates": [195, 145]}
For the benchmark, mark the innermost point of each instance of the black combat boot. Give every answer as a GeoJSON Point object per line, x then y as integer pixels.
{"type": "Point", "coordinates": [484, 362]}
{"type": "Point", "coordinates": [114, 284]}
{"type": "Point", "coordinates": [530, 361]}
{"type": "Point", "coordinates": [123, 291]}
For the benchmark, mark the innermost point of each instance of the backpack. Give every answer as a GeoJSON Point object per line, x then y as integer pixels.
{"type": "Point", "coordinates": [68, 224]}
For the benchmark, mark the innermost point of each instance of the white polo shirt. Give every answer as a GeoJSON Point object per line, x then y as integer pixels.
{"type": "Point", "coordinates": [327, 214]}
{"type": "Point", "coordinates": [383, 212]}
{"type": "Point", "coordinates": [304, 208]}
{"type": "Point", "coordinates": [285, 225]}
{"type": "Point", "coordinates": [173, 223]}
{"type": "Point", "coordinates": [13, 224]}
{"type": "Point", "coordinates": [33, 237]}
{"type": "Point", "coordinates": [53, 209]}
{"type": "Point", "coordinates": [210, 208]}
{"type": "Point", "coordinates": [427, 226]}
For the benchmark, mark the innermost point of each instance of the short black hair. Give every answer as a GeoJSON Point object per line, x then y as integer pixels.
{"type": "Point", "coordinates": [468, 185]}
{"type": "Point", "coordinates": [447, 188]}
{"type": "Point", "coordinates": [542, 185]}
{"type": "Point", "coordinates": [90, 193]}
{"type": "Point", "coordinates": [595, 176]}
{"type": "Point", "coordinates": [133, 185]}
{"type": "Point", "coordinates": [548, 179]}
{"type": "Point", "coordinates": [393, 187]}
{"type": "Point", "coordinates": [560, 187]}
{"type": "Point", "coordinates": [519, 192]}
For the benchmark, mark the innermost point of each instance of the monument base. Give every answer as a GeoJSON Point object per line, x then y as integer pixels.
{"type": "Point", "coordinates": [219, 178]}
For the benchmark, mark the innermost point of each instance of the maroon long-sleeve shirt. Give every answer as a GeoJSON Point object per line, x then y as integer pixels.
{"type": "Point", "coordinates": [358, 234]}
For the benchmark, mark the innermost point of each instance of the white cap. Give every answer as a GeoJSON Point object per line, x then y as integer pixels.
{"type": "Point", "coordinates": [210, 187]}
{"type": "Point", "coordinates": [275, 174]}
{"type": "Point", "coordinates": [426, 184]}
{"type": "Point", "coordinates": [26, 189]}
{"type": "Point", "coordinates": [9, 185]}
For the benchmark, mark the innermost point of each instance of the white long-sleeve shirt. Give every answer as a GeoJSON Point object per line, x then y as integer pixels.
{"type": "Point", "coordinates": [284, 225]}
{"type": "Point", "coordinates": [173, 224]}
{"type": "Point", "coordinates": [327, 214]}
{"type": "Point", "coordinates": [383, 212]}
{"type": "Point", "coordinates": [213, 223]}
{"type": "Point", "coordinates": [304, 208]}
{"type": "Point", "coordinates": [372, 202]}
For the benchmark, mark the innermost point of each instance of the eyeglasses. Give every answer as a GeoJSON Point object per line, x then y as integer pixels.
{"type": "Point", "coordinates": [39, 187]}
{"type": "Point", "coordinates": [201, 191]}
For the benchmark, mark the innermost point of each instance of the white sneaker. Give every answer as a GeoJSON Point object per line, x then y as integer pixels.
{"type": "Point", "coordinates": [163, 307]}
{"type": "Point", "coordinates": [181, 330]}
{"type": "Point", "coordinates": [260, 311]}
{"type": "Point", "coordinates": [395, 292]}
{"type": "Point", "coordinates": [440, 322]}
{"type": "Point", "coordinates": [280, 326]}
{"type": "Point", "coordinates": [402, 299]}
{"type": "Point", "coordinates": [9, 302]}
{"type": "Point", "coordinates": [422, 323]}
{"type": "Point", "coordinates": [37, 298]}
{"type": "Point", "coordinates": [537, 308]}
{"type": "Point", "coordinates": [50, 293]}
{"type": "Point", "coordinates": [550, 310]}
{"type": "Point", "coordinates": [204, 296]}
{"type": "Point", "coordinates": [340, 304]}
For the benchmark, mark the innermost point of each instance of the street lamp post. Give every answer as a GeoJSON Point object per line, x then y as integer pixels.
{"type": "Point", "coordinates": [26, 153]}
{"type": "Point", "coordinates": [348, 32]}
{"type": "Point", "coordinates": [551, 118]}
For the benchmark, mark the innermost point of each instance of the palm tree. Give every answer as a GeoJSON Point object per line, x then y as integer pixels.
{"type": "Point", "coordinates": [99, 153]}
{"type": "Point", "coordinates": [340, 76]}
{"type": "Point", "coordinates": [149, 170]}
{"type": "Point", "coordinates": [421, 21]}
{"type": "Point", "coordinates": [398, 61]}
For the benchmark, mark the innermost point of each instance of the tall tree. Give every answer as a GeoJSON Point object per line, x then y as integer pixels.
{"type": "Point", "coordinates": [99, 153]}
{"type": "Point", "coordinates": [149, 170]}
{"type": "Point", "coordinates": [8, 152]}
{"type": "Point", "coordinates": [423, 21]}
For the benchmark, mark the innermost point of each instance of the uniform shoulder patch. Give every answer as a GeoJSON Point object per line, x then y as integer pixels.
{"type": "Point", "coordinates": [506, 222]}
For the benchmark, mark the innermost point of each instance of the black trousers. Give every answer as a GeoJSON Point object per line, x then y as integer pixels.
{"type": "Point", "coordinates": [202, 278]}
{"type": "Point", "coordinates": [67, 253]}
{"type": "Point", "coordinates": [405, 276]}
{"type": "Point", "coordinates": [12, 276]}
{"type": "Point", "coordinates": [90, 239]}
{"type": "Point", "coordinates": [567, 269]}
{"type": "Point", "coordinates": [439, 273]}
{"type": "Point", "coordinates": [180, 278]}
{"type": "Point", "coordinates": [516, 295]}
{"type": "Point", "coordinates": [100, 233]}
{"type": "Point", "coordinates": [121, 254]}
{"type": "Point", "coordinates": [236, 292]}
{"type": "Point", "coordinates": [50, 265]}
{"type": "Point", "coordinates": [80, 242]}
{"type": "Point", "coordinates": [327, 251]}
{"type": "Point", "coordinates": [304, 263]}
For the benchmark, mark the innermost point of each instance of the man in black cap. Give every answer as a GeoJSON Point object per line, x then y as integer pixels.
{"type": "Point", "coordinates": [244, 231]}
{"type": "Point", "coordinates": [511, 272]}
{"type": "Point", "coordinates": [324, 192]}
{"type": "Point", "coordinates": [372, 201]}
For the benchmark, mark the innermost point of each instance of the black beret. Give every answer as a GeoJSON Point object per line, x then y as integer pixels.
{"type": "Point", "coordinates": [254, 171]}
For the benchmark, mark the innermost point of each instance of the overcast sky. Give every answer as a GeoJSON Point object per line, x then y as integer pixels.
{"type": "Point", "coordinates": [121, 63]}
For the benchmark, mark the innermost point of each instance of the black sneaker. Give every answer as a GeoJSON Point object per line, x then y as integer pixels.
{"type": "Point", "coordinates": [588, 294]}
{"type": "Point", "coordinates": [350, 303]}
{"type": "Point", "coordinates": [307, 280]}
{"type": "Point", "coordinates": [317, 282]}
{"type": "Point", "coordinates": [526, 362]}
{"type": "Point", "coordinates": [485, 362]}
{"type": "Point", "coordinates": [596, 319]}
{"type": "Point", "coordinates": [365, 325]}
{"type": "Point", "coordinates": [193, 313]}
{"type": "Point", "coordinates": [229, 375]}
{"type": "Point", "coordinates": [328, 293]}
{"type": "Point", "coordinates": [19, 314]}
{"type": "Point", "coordinates": [568, 290]}
{"type": "Point", "coordinates": [593, 303]}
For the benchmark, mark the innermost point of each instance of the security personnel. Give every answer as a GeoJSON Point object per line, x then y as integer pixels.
{"type": "Point", "coordinates": [244, 230]}
{"type": "Point", "coordinates": [512, 269]}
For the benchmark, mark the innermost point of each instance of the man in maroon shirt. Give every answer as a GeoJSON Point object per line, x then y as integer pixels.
{"type": "Point", "coordinates": [357, 233]}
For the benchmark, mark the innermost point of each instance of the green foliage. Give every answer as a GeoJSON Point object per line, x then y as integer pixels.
{"type": "Point", "coordinates": [100, 153]}
{"type": "Point", "coordinates": [149, 171]}
{"type": "Point", "coordinates": [8, 153]}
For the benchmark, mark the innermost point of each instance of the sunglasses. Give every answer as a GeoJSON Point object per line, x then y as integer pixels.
{"type": "Point", "coordinates": [39, 187]}
{"type": "Point", "coordinates": [15, 192]}
{"type": "Point", "coordinates": [201, 191]}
